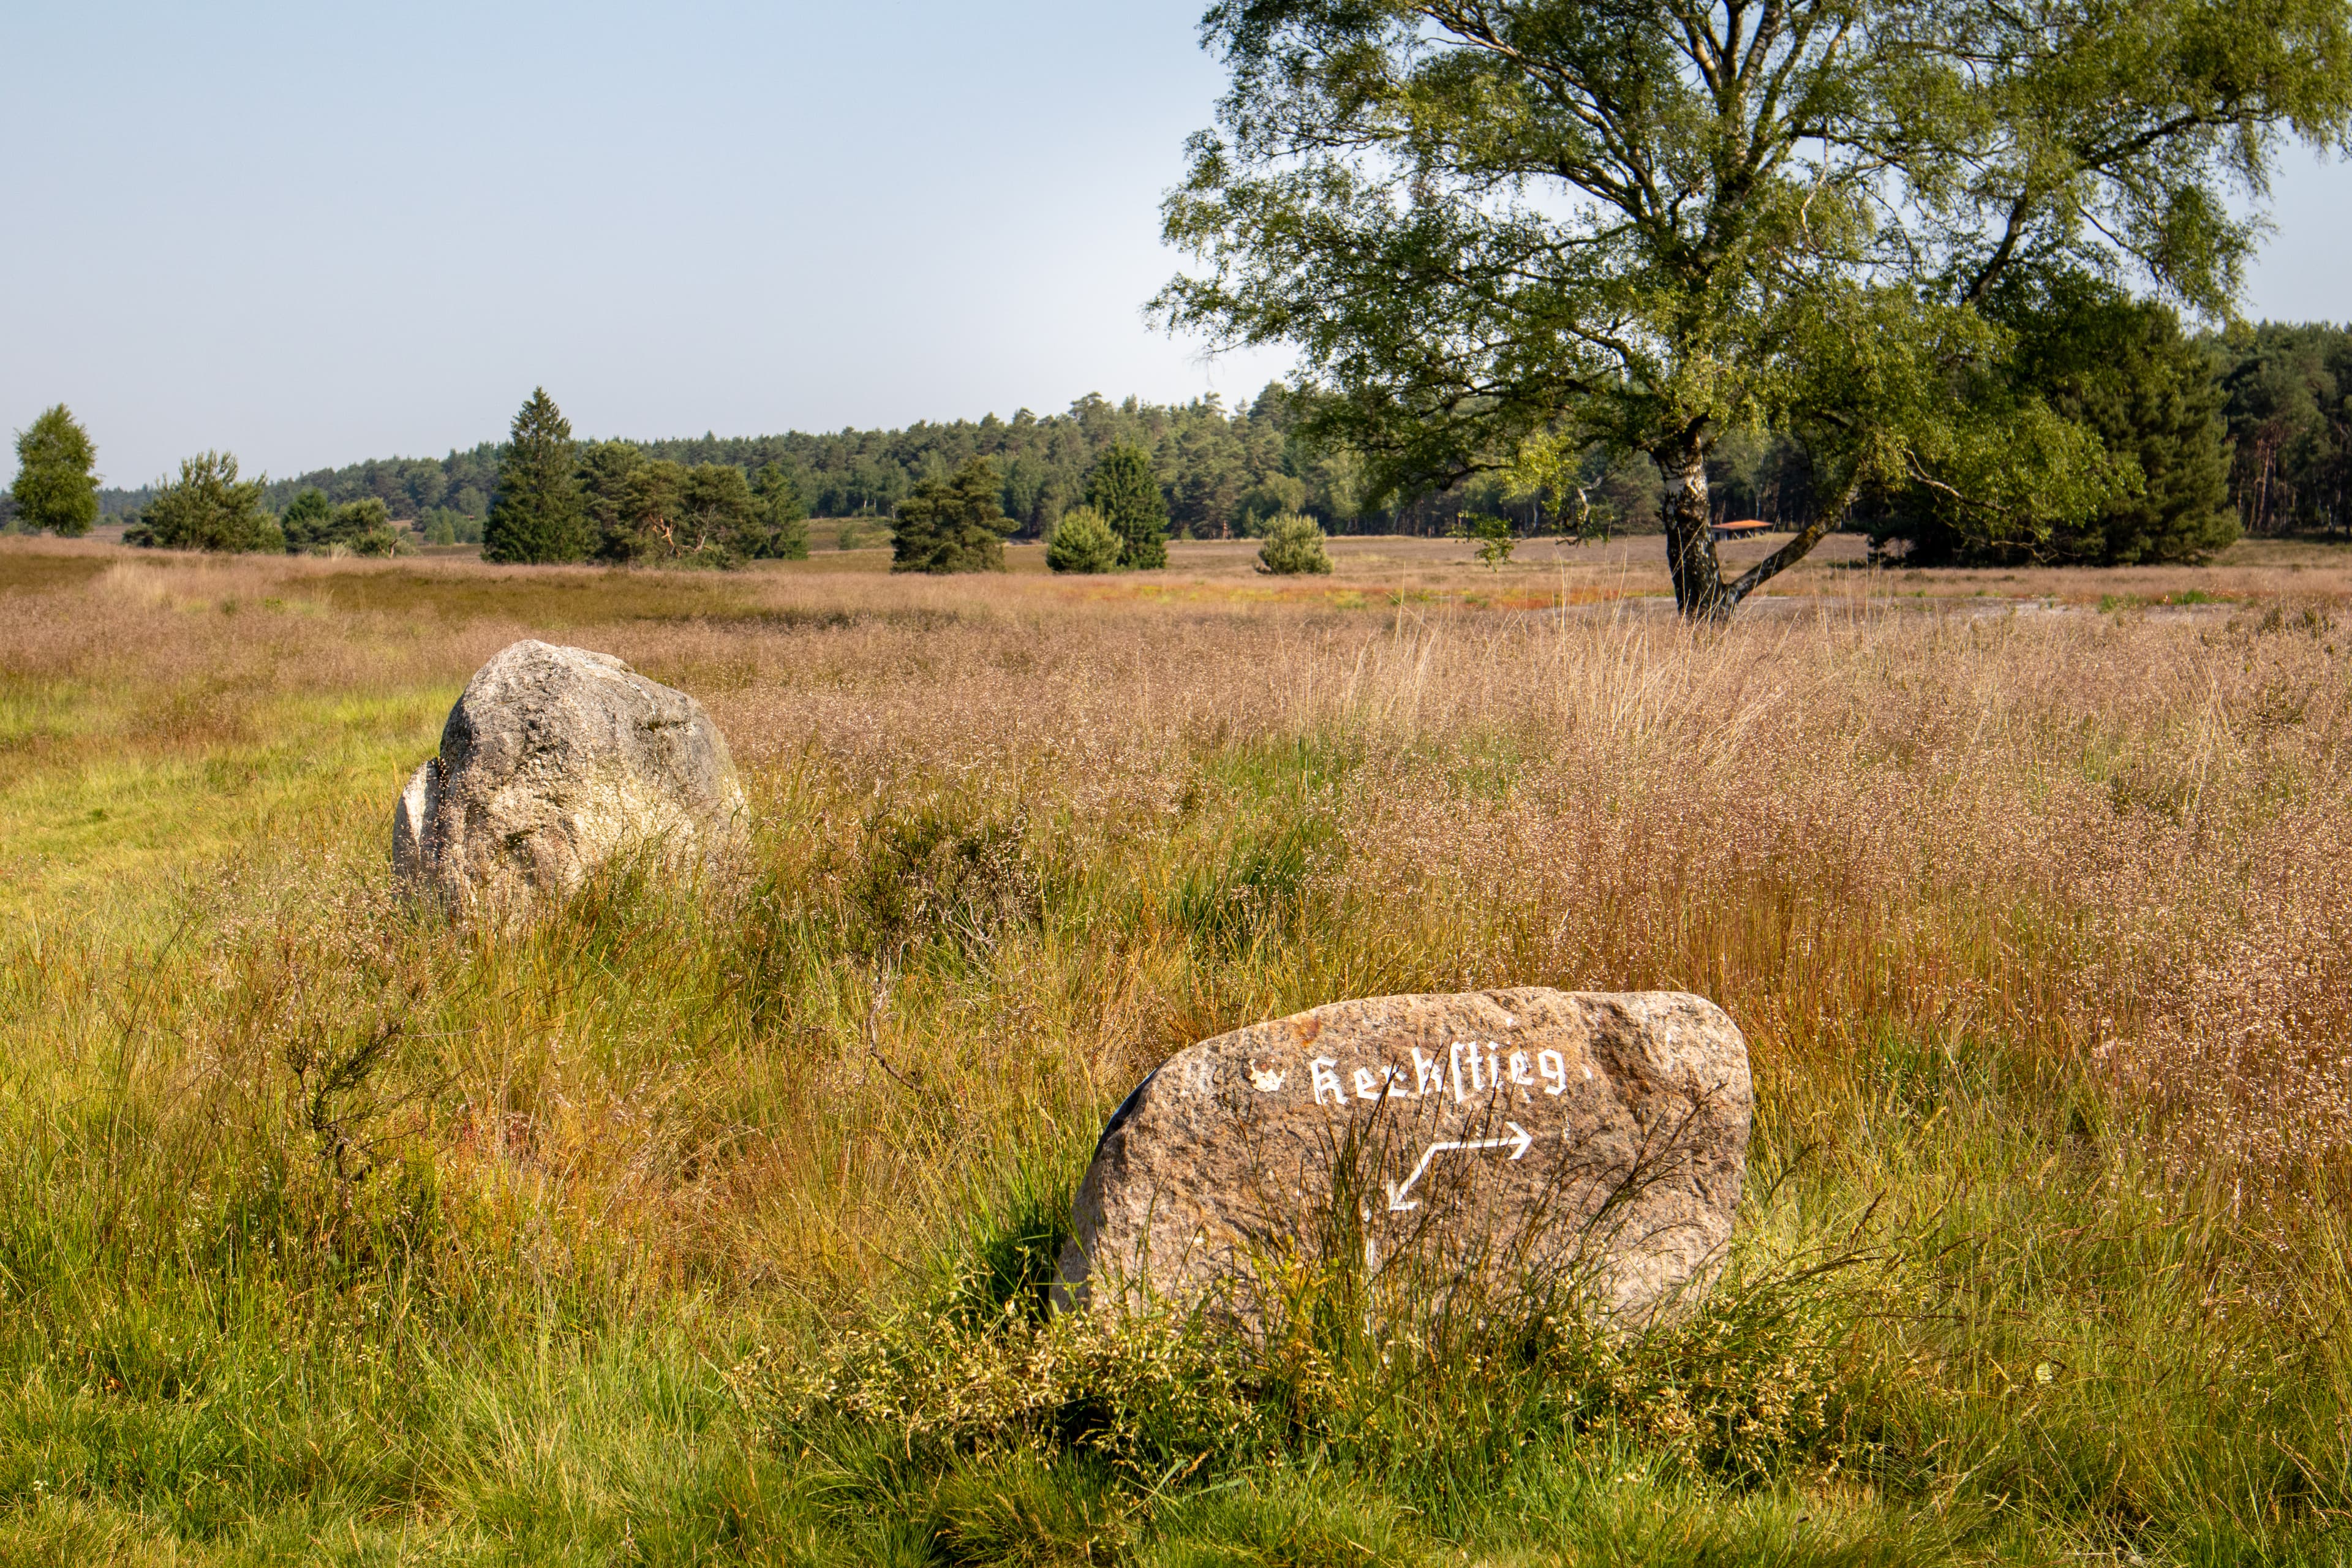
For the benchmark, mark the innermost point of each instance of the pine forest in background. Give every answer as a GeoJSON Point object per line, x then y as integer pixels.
{"type": "Point", "coordinates": [2267, 408]}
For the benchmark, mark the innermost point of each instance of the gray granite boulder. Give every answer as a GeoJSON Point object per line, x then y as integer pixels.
{"type": "Point", "coordinates": [552, 761]}
{"type": "Point", "coordinates": [1595, 1141]}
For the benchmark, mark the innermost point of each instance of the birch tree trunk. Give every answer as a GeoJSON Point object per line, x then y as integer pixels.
{"type": "Point", "coordinates": [1699, 591]}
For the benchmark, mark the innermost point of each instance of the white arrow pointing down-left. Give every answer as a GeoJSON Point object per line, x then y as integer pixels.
{"type": "Point", "coordinates": [1518, 1143]}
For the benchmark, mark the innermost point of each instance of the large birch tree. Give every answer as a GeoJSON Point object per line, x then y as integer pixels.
{"type": "Point", "coordinates": [1502, 232]}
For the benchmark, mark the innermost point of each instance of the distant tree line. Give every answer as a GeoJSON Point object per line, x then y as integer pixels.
{"type": "Point", "coordinates": [1220, 472]}
{"type": "Point", "coordinates": [2244, 431]}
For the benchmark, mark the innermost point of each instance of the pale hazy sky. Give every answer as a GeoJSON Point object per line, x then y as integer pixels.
{"type": "Point", "coordinates": [320, 232]}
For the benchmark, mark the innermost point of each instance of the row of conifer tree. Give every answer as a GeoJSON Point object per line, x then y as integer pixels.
{"type": "Point", "coordinates": [2248, 431]}
{"type": "Point", "coordinates": [557, 501]}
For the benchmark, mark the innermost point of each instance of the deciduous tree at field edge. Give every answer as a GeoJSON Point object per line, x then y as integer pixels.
{"type": "Point", "coordinates": [56, 488]}
{"type": "Point", "coordinates": [1500, 233]}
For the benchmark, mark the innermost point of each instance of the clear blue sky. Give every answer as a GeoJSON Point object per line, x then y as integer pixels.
{"type": "Point", "coordinates": [315, 233]}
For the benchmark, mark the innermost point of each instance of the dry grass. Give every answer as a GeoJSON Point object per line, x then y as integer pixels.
{"type": "Point", "coordinates": [2037, 923]}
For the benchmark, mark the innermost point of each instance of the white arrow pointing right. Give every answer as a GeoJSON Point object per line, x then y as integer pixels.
{"type": "Point", "coordinates": [1518, 1145]}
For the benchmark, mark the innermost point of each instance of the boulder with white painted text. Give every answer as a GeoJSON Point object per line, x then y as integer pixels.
{"type": "Point", "coordinates": [1588, 1142]}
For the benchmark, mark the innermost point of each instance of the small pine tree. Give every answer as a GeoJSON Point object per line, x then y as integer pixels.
{"type": "Point", "coordinates": [1084, 542]}
{"type": "Point", "coordinates": [208, 507]}
{"type": "Point", "coordinates": [362, 527]}
{"type": "Point", "coordinates": [309, 525]}
{"type": "Point", "coordinates": [1124, 491]}
{"type": "Point", "coordinates": [535, 517]}
{"type": "Point", "coordinates": [1294, 544]}
{"type": "Point", "coordinates": [54, 487]}
{"type": "Point", "coordinates": [305, 521]}
{"type": "Point", "coordinates": [953, 524]}
{"type": "Point", "coordinates": [721, 523]}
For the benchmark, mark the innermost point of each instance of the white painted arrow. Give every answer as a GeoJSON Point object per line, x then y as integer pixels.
{"type": "Point", "coordinates": [1519, 1144]}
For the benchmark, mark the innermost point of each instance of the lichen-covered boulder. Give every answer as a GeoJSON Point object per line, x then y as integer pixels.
{"type": "Point", "coordinates": [1589, 1142]}
{"type": "Point", "coordinates": [552, 761]}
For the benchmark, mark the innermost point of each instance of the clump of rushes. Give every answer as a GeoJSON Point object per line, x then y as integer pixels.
{"type": "Point", "coordinates": [1741, 1384]}
{"type": "Point", "coordinates": [1294, 544]}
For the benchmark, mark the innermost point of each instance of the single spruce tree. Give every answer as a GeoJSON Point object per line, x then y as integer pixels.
{"type": "Point", "coordinates": [1123, 490]}
{"type": "Point", "coordinates": [2159, 406]}
{"type": "Point", "coordinates": [535, 517]}
{"type": "Point", "coordinates": [54, 487]}
{"type": "Point", "coordinates": [307, 521]}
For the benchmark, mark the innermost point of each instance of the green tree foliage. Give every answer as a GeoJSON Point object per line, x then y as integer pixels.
{"type": "Point", "coordinates": [2166, 421]}
{"type": "Point", "coordinates": [2287, 396]}
{"type": "Point", "coordinates": [1501, 233]}
{"type": "Point", "coordinates": [1494, 535]}
{"type": "Point", "coordinates": [650, 510]}
{"type": "Point", "coordinates": [629, 503]}
{"type": "Point", "coordinates": [720, 520]}
{"type": "Point", "coordinates": [305, 520]}
{"type": "Point", "coordinates": [56, 489]}
{"type": "Point", "coordinates": [953, 524]}
{"type": "Point", "coordinates": [535, 516]}
{"type": "Point", "coordinates": [1294, 544]}
{"type": "Point", "coordinates": [447, 525]}
{"type": "Point", "coordinates": [1271, 497]}
{"type": "Point", "coordinates": [1123, 490]}
{"type": "Point", "coordinates": [1211, 473]}
{"type": "Point", "coordinates": [2121, 369]}
{"type": "Point", "coordinates": [1043, 461]}
{"type": "Point", "coordinates": [784, 511]}
{"type": "Point", "coordinates": [207, 507]}
{"type": "Point", "coordinates": [410, 488]}
{"type": "Point", "coordinates": [1082, 543]}
{"type": "Point", "coordinates": [362, 527]}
